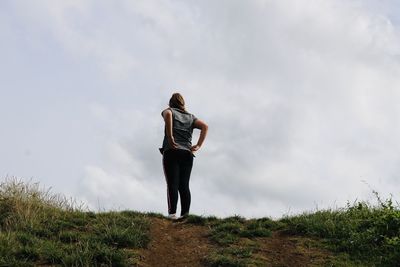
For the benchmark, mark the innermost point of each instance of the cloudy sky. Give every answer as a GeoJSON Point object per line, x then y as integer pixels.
{"type": "Point", "coordinates": [301, 98]}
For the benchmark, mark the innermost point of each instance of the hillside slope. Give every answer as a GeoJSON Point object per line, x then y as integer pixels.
{"type": "Point", "coordinates": [38, 228]}
{"type": "Point", "coordinates": [185, 244]}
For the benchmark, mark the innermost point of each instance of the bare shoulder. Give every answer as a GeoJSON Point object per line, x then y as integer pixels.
{"type": "Point", "coordinates": [166, 112]}
{"type": "Point", "coordinates": [199, 124]}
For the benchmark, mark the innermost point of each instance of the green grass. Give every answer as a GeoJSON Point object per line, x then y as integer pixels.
{"type": "Point", "coordinates": [231, 256]}
{"type": "Point", "coordinates": [233, 237]}
{"type": "Point", "coordinates": [367, 233]}
{"type": "Point", "coordinates": [37, 227]}
{"type": "Point", "coordinates": [41, 228]}
{"type": "Point", "coordinates": [361, 234]}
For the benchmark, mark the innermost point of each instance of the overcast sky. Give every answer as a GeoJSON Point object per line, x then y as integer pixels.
{"type": "Point", "coordinates": [301, 98]}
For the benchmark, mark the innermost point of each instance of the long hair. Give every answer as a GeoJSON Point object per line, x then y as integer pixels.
{"type": "Point", "coordinates": [177, 101]}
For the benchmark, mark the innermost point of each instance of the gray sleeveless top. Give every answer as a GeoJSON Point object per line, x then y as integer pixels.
{"type": "Point", "coordinates": [182, 129]}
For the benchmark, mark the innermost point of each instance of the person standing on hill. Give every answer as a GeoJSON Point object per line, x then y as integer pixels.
{"type": "Point", "coordinates": [178, 152]}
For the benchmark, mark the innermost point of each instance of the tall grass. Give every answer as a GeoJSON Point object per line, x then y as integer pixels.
{"type": "Point", "coordinates": [368, 233]}
{"type": "Point", "coordinates": [38, 227]}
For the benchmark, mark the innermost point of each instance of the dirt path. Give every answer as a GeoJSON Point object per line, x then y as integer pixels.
{"type": "Point", "coordinates": [176, 244]}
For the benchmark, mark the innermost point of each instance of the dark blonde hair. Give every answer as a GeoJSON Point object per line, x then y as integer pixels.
{"type": "Point", "coordinates": [177, 101]}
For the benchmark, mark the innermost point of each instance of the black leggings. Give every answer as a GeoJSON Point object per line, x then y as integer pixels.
{"type": "Point", "coordinates": [177, 165]}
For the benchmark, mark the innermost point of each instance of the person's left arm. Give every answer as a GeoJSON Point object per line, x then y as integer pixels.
{"type": "Point", "coordinates": [199, 124]}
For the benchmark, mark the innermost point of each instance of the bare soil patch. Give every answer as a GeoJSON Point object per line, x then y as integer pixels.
{"type": "Point", "coordinates": [180, 244]}
{"type": "Point", "coordinates": [285, 250]}
{"type": "Point", "coordinates": [176, 244]}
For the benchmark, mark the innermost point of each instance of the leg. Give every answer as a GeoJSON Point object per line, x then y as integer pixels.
{"type": "Point", "coordinates": [185, 168]}
{"type": "Point", "coordinates": [171, 172]}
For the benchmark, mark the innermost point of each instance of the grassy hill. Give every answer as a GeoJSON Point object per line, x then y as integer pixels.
{"type": "Point", "coordinates": [38, 228]}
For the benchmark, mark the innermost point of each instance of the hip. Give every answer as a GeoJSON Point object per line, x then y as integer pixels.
{"type": "Point", "coordinates": [178, 155]}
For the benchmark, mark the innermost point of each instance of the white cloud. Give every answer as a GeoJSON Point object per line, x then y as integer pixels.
{"type": "Point", "coordinates": [301, 98]}
{"type": "Point", "coordinates": [103, 190]}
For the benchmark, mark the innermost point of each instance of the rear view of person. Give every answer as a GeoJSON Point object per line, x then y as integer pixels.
{"type": "Point", "coordinates": [177, 151]}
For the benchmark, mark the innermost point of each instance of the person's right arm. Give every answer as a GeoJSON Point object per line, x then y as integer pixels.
{"type": "Point", "coordinates": [167, 115]}
{"type": "Point", "coordinates": [199, 124]}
